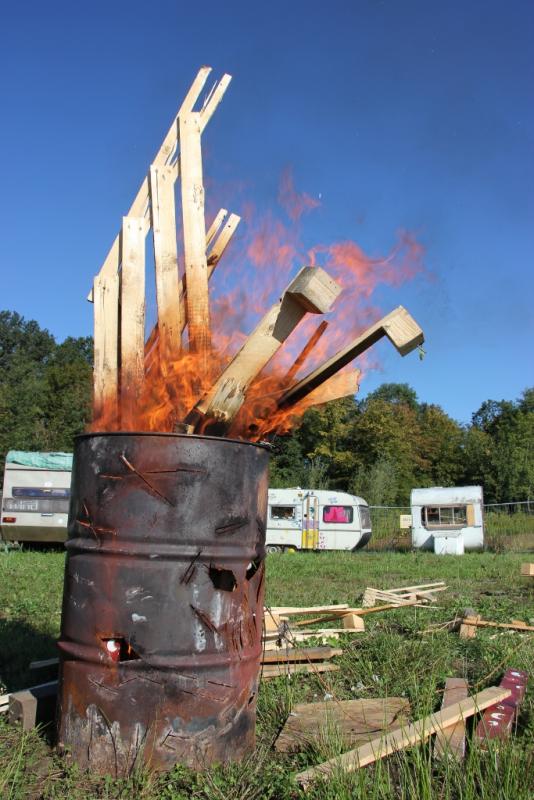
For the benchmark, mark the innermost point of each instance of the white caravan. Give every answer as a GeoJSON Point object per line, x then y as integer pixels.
{"type": "Point", "coordinates": [35, 499]}
{"type": "Point", "coordinates": [307, 519]}
{"type": "Point", "coordinates": [448, 519]}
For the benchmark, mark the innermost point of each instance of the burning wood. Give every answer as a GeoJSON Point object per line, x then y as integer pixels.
{"type": "Point", "coordinates": [164, 384]}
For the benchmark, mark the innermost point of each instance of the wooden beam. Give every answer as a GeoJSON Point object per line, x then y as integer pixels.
{"type": "Point", "coordinates": [359, 611]}
{"type": "Point", "coordinates": [219, 247]}
{"type": "Point", "coordinates": [400, 328]}
{"type": "Point", "coordinates": [527, 570]}
{"type": "Point", "coordinates": [106, 352]}
{"type": "Point", "coordinates": [305, 352]}
{"type": "Point", "coordinates": [132, 320]}
{"type": "Point", "coordinates": [170, 322]}
{"type": "Point", "coordinates": [344, 384]}
{"type": "Point", "coordinates": [163, 156]}
{"type": "Point", "coordinates": [405, 737]}
{"type": "Point", "coordinates": [312, 290]}
{"type": "Point", "coordinates": [451, 741]}
{"type": "Point", "coordinates": [194, 228]}
{"type": "Point", "coordinates": [293, 610]}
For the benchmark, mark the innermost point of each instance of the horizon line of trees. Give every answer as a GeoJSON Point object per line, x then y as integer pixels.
{"type": "Point", "coordinates": [379, 447]}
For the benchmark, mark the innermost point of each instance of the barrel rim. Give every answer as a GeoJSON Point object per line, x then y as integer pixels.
{"type": "Point", "coordinates": [188, 436]}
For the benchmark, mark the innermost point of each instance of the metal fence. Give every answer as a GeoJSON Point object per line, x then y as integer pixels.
{"type": "Point", "coordinates": [507, 526]}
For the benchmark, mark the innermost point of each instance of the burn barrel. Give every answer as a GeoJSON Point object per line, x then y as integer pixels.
{"type": "Point", "coordinates": [163, 601]}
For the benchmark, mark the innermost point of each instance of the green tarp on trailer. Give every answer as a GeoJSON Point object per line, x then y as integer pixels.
{"type": "Point", "coordinates": [58, 461]}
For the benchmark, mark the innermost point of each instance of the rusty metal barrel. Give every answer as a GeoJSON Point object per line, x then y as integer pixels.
{"type": "Point", "coordinates": [163, 601]}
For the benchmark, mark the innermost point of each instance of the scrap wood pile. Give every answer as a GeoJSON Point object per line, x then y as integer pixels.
{"type": "Point", "coordinates": [375, 729]}
{"type": "Point", "coordinates": [175, 378]}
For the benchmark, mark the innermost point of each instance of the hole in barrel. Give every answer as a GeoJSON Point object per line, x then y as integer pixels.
{"type": "Point", "coordinates": [252, 568]}
{"type": "Point", "coordinates": [119, 649]}
{"type": "Point", "coordinates": [223, 579]}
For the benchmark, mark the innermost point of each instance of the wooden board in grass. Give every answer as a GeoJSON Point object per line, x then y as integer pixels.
{"type": "Point", "coordinates": [450, 742]}
{"type": "Point", "coordinates": [295, 654]}
{"type": "Point", "coordinates": [405, 737]}
{"type": "Point", "coordinates": [527, 570]}
{"type": "Point", "coordinates": [287, 670]}
{"type": "Point", "coordinates": [313, 290]}
{"type": "Point", "coordinates": [353, 722]}
{"type": "Point", "coordinates": [400, 328]}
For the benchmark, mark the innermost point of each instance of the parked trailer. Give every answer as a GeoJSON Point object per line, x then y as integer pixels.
{"type": "Point", "coordinates": [36, 495]}
{"type": "Point", "coordinates": [448, 519]}
{"type": "Point", "coordinates": [308, 519]}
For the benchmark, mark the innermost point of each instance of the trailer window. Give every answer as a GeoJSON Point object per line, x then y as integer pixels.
{"type": "Point", "coordinates": [444, 516]}
{"type": "Point", "coordinates": [341, 514]}
{"type": "Point", "coordinates": [39, 491]}
{"type": "Point", "coordinates": [365, 517]}
{"type": "Point", "coordinates": [283, 512]}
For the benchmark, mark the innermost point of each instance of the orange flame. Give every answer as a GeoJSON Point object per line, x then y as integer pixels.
{"type": "Point", "coordinates": [253, 275]}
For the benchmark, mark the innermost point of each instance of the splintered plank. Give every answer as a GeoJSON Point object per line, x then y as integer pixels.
{"type": "Point", "coordinates": [353, 721]}
{"type": "Point", "coordinates": [312, 290]}
{"type": "Point", "coordinates": [106, 343]}
{"type": "Point", "coordinates": [405, 737]}
{"type": "Point", "coordinates": [170, 322]}
{"type": "Point", "coordinates": [194, 226]}
{"type": "Point", "coordinates": [163, 156]}
{"type": "Point", "coordinates": [400, 328]}
{"type": "Point", "coordinates": [132, 319]}
{"type": "Point", "coordinates": [451, 741]}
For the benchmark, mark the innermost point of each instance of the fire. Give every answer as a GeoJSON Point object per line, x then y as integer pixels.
{"type": "Point", "coordinates": [255, 271]}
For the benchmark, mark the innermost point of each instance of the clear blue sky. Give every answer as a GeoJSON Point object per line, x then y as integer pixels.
{"type": "Point", "coordinates": [400, 114]}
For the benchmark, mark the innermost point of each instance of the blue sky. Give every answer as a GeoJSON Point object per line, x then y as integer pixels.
{"type": "Point", "coordinates": [398, 115]}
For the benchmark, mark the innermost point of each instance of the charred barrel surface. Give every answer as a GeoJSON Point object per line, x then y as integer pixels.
{"type": "Point", "coordinates": [163, 596]}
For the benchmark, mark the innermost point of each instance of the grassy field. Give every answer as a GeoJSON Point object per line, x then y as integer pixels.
{"type": "Point", "coordinates": [391, 658]}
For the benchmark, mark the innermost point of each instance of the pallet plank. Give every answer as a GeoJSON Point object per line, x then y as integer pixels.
{"type": "Point", "coordinates": [132, 320]}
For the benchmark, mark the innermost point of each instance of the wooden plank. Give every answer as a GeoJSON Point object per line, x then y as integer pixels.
{"type": "Point", "coordinates": [468, 630]}
{"type": "Point", "coordinates": [213, 100]}
{"type": "Point", "coordinates": [359, 611]}
{"type": "Point", "coordinates": [483, 623]}
{"type": "Point", "coordinates": [405, 737]}
{"type": "Point", "coordinates": [527, 570]}
{"type": "Point", "coordinates": [33, 706]}
{"type": "Point", "coordinates": [293, 654]}
{"type": "Point", "coordinates": [219, 247]}
{"type": "Point", "coordinates": [451, 741]}
{"type": "Point", "coordinates": [352, 721]}
{"type": "Point", "coordinates": [215, 225]}
{"type": "Point", "coordinates": [341, 385]}
{"type": "Point", "coordinates": [132, 320]}
{"type": "Point", "coordinates": [280, 670]}
{"type": "Point", "coordinates": [400, 328]}
{"type": "Point", "coordinates": [170, 322]}
{"type": "Point", "coordinates": [106, 352]}
{"type": "Point", "coordinates": [294, 610]}
{"type": "Point", "coordinates": [306, 350]}
{"type": "Point", "coordinates": [194, 230]}
{"type": "Point", "coordinates": [312, 290]}
{"type": "Point", "coordinates": [163, 156]}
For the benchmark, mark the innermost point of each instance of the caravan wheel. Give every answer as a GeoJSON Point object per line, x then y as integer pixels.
{"type": "Point", "coordinates": [274, 548]}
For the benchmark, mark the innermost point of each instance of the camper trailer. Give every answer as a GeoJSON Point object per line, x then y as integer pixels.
{"type": "Point", "coordinates": [35, 499]}
{"type": "Point", "coordinates": [448, 519]}
{"type": "Point", "coordinates": [304, 519]}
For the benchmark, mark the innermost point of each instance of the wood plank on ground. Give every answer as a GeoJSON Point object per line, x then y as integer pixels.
{"type": "Point", "coordinates": [527, 570]}
{"type": "Point", "coordinates": [294, 654]}
{"type": "Point", "coordinates": [279, 670]}
{"type": "Point", "coordinates": [497, 721]}
{"type": "Point", "coordinates": [412, 734]}
{"type": "Point", "coordinates": [451, 741]}
{"type": "Point", "coordinates": [354, 721]}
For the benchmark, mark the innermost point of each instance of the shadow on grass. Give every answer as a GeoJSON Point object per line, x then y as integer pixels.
{"type": "Point", "coordinates": [20, 644]}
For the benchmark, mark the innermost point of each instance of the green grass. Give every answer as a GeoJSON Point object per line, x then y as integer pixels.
{"type": "Point", "coordinates": [391, 658]}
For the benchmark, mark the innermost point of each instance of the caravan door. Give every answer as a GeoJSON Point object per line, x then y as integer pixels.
{"type": "Point", "coordinates": [310, 523]}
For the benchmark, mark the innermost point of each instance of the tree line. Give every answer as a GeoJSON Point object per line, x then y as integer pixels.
{"type": "Point", "coordinates": [379, 447]}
